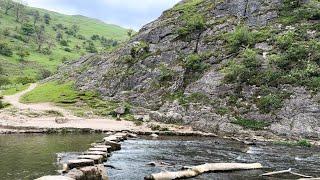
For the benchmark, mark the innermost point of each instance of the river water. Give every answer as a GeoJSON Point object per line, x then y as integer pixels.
{"type": "Point", "coordinates": [32, 156]}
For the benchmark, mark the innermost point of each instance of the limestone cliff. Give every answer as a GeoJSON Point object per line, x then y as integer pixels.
{"type": "Point", "coordinates": [222, 66]}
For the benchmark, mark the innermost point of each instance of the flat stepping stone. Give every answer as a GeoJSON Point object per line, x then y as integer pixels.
{"type": "Point", "coordinates": [101, 153]}
{"type": "Point", "coordinates": [55, 178]}
{"type": "Point", "coordinates": [97, 158]}
{"type": "Point", "coordinates": [76, 163]}
{"type": "Point", "coordinates": [102, 146]}
{"type": "Point", "coordinates": [114, 145]}
{"type": "Point", "coordinates": [100, 149]}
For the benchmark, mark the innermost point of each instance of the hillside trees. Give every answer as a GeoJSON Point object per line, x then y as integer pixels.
{"type": "Point", "coordinates": [6, 5]}
{"type": "Point", "coordinates": [47, 18]}
{"type": "Point", "coordinates": [19, 8]}
{"type": "Point", "coordinates": [36, 17]}
{"type": "Point", "coordinates": [40, 37]}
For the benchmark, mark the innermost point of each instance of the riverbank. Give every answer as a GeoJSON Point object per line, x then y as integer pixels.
{"type": "Point", "coordinates": [42, 118]}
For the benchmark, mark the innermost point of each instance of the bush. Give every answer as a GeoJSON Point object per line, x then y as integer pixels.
{"type": "Point", "coordinates": [194, 62]}
{"type": "Point", "coordinates": [269, 103]}
{"type": "Point", "coordinates": [5, 50]}
{"type": "Point", "coordinates": [64, 43]}
{"type": "Point", "coordinates": [27, 29]}
{"type": "Point", "coordinates": [67, 49]}
{"type": "Point", "coordinates": [91, 48]}
{"type": "Point", "coordinates": [166, 74]}
{"type": "Point", "coordinates": [193, 23]}
{"type": "Point", "coordinates": [24, 80]}
{"type": "Point", "coordinates": [1, 105]}
{"type": "Point", "coordinates": [285, 41]}
{"type": "Point", "coordinates": [251, 124]}
{"type": "Point", "coordinates": [240, 37]}
{"type": "Point", "coordinates": [44, 73]}
{"type": "Point", "coordinates": [4, 81]}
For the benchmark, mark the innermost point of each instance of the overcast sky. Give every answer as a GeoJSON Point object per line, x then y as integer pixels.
{"type": "Point", "coordinates": [126, 13]}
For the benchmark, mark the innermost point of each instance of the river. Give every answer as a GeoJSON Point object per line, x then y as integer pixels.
{"type": "Point", "coordinates": [32, 156]}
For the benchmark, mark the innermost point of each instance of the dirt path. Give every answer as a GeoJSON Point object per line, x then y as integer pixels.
{"type": "Point", "coordinates": [15, 116]}
{"type": "Point", "coordinates": [37, 107]}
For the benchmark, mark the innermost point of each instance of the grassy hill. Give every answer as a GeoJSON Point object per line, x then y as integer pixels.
{"type": "Point", "coordinates": [61, 37]}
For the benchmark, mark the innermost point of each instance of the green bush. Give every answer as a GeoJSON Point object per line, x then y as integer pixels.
{"type": "Point", "coordinates": [140, 49]}
{"type": "Point", "coordinates": [1, 105]}
{"type": "Point", "coordinates": [4, 80]}
{"type": "Point", "coordinates": [194, 22]}
{"type": "Point", "coordinates": [27, 29]}
{"type": "Point", "coordinates": [64, 43]}
{"type": "Point", "coordinates": [5, 49]}
{"type": "Point", "coordinates": [286, 40]}
{"type": "Point", "coordinates": [91, 48]}
{"type": "Point", "coordinates": [24, 80]}
{"type": "Point", "coordinates": [194, 62]}
{"type": "Point", "coordinates": [270, 103]}
{"type": "Point", "coordinates": [67, 49]}
{"type": "Point", "coordinates": [166, 74]}
{"type": "Point", "coordinates": [250, 124]}
{"type": "Point", "coordinates": [242, 36]}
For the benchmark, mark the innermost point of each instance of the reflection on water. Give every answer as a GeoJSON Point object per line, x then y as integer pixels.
{"type": "Point", "coordinates": [31, 156]}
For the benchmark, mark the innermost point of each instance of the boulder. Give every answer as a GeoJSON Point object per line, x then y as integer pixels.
{"type": "Point", "coordinates": [120, 110]}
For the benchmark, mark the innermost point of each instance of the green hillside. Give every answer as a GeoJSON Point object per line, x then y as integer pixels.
{"type": "Point", "coordinates": [34, 43]}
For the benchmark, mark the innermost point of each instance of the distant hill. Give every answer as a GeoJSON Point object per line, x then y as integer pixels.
{"type": "Point", "coordinates": [34, 43]}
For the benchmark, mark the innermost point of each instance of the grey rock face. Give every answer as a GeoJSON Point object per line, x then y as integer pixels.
{"type": "Point", "coordinates": [150, 78]}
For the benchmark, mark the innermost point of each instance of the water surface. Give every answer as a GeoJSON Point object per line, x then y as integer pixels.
{"type": "Point", "coordinates": [32, 156]}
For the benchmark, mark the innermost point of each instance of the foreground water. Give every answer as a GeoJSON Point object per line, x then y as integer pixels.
{"type": "Point", "coordinates": [31, 156]}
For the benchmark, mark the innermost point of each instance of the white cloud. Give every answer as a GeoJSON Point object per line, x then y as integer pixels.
{"type": "Point", "coordinates": [127, 13]}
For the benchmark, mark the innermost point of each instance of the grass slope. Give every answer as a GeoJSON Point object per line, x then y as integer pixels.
{"type": "Point", "coordinates": [36, 63]}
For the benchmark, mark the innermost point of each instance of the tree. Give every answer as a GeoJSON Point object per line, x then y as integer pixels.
{"type": "Point", "coordinates": [59, 36]}
{"type": "Point", "coordinates": [5, 49]}
{"type": "Point", "coordinates": [130, 33]}
{"type": "Point", "coordinates": [22, 53]}
{"type": "Point", "coordinates": [19, 8]}
{"type": "Point", "coordinates": [47, 18]}
{"type": "Point", "coordinates": [36, 17]}
{"type": "Point", "coordinates": [7, 5]}
{"type": "Point", "coordinates": [27, 29]}
{"type": "Point", "coordinates": [91, 48]}
{"type": "Point", "coordinates": [40, 37]}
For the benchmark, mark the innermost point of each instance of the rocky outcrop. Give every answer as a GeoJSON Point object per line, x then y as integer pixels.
{"type": "Point", "coordinates": [173, 70]}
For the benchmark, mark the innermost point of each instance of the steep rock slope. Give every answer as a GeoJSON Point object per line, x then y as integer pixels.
{"type": "Point", "coordinates": [226, 66]}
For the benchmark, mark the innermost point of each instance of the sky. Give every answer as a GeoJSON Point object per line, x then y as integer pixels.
{"type": "Point", "coordinates": [126, 13]}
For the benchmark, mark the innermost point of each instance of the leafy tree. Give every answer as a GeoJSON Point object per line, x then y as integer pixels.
{"type": "Point", "coordinates": [130, 33]}
{"type": "Point", "coordinates": [7, 5]}
{"type": "Point", "coordinates": [59, 36]}
{"type": "Point", "coordinates": [47, 18]}
{"type": "Point", "coordinates": [91, 48]}
{"type": "Point", "coordinates": [19, 8]}
{"type": "Point", "coordinates": [5, 50]}
{"type": "Point", "coordinates": [22, 53]}
{"type": "Point", "coordinates": [36, 17]}
{"type": "Point", "coordinates": [64, 43]}
{"type": "Point", "coordinates": [40, 37]}
{"type": "Point", "coordinates": [27, 29]}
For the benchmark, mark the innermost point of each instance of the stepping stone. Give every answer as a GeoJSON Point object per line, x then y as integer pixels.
{"type": "Point", "coordinates": [100, 149]}
{"type": "Point", "coordinates": [55, 178]}
{"type": "Point", "coordinates": [76, 163]}
{"type": "Point", "coordinates": [114, 146]}
{"type": "Point", "coordinates": [102, 146]}
{"type": "Point", "coordinates": [96, 153]}
{"type": "Point", "coordinates": [97, 158]}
